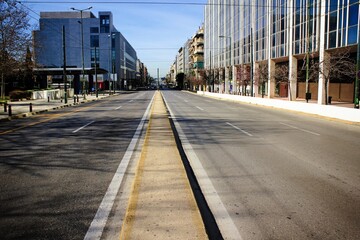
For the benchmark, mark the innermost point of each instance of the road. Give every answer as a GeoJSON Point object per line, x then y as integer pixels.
{"type": "Point", "coordinates": [277, 174]}
{"type": "Point", "coordinates": [265, 173]}
{"type": "Point", "coordinates": [55, 168]}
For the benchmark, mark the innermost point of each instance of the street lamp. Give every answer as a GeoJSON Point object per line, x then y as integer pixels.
{"type": "Point", "coordinates": [111, 61]}
{"type": "Point", "coordinates": [230, 65]}
{"type": "Point", "coordinates": [82, 44]}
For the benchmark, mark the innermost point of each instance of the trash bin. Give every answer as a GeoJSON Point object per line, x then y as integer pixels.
{"type": "Point", "coordinates": [329, 99]}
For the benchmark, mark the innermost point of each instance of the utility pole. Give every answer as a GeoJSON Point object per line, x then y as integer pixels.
{"type": "Point", "coordinates": [252, 62]}
{"type": "Point", "coordinates": [158, 87]}
{"type": "Point", "coordinates": [356, 95]}
{"type": "Point", "coordinates": [307, 94]}
{"type": "Point", "coordinates": [64, 64]}
{"type": "Point", "coordinates": [82, 48]}
{"type": "Point", "coordinates": [211, 74]}
{"type": "Point", "coordinates": [96, 80]}
{"type": "Point", "coordinates": [113, 69]}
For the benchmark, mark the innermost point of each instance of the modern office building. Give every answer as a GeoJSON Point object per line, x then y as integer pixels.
{"type": "Point", "coordinates": [89, 41]}
{"type": "Point", "coordinates": [282, 40]}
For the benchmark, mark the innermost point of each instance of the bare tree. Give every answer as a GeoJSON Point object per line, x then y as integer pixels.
{"type": "Point", "coordinates": [282, 76]}
{"type": "Point", "coordinates": [336, 64]}
{"type": "Point", "coordinates": [243, 76]}
{"type": "Point", "coordinates": [261, 76]}
{"type": "Point", "coordinates": [14, 37]}
{"type": "Point", "coordinates": [205, 78]}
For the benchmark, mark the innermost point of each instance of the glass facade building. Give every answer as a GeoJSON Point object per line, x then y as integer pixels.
{"type": "Point", "coordinates": [243, 36]}
{"type": "Point", "coordinates": [103, 45]}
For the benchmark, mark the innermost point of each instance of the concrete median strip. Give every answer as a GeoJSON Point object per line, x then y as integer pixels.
{"type": "Point", "coordinates": [161, 205]}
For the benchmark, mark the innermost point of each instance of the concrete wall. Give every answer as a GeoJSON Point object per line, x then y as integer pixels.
{"type": "Point", "coordinates": [52, 94]}
{"type": "Point", "coordinates": [343, 92]}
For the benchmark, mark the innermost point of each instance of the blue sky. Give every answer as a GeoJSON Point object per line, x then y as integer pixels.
{"type": "Point", "coordinates": [156, 31]}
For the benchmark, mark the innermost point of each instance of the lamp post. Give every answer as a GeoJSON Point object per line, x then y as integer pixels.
{"type": "Point", "coordinates": [82, 45]}
{"type": "Point", "coordinates": [357, 79]}
{"type": "Point", "coordinates": [96, 80]}
{"type": "Point", "coordinates": [252, 62]}
{"type": "Point", "coordinates": [230, 65]}
{"type": "Point", "coordinates": [111, 61]}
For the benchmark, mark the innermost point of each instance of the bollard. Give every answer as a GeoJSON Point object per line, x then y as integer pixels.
{"type": "Point", "coordinates": [77, 97]}
{"type": "Point", "coordinates": [5, 107]}
{"type": "Point", "coordinates": [48, 98]}
{"type": "Point", "coordinates": [30, 107]}
{"type": "Point", "coordinates": [10, 113]}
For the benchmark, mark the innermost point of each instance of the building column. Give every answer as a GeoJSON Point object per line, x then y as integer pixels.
{"type": "Point", "coordinates": [227, 81]}
{"type": "Point", "coordinates": [256, 80]}
{"type": "Point", "coordinates": [234, 79]}
{"type": "Point", "coordinates": [221, 80]}
{"type": "Point", "coordinates": [323, 58]}
{"type": "Point", "coordinates": [271, 78]}
{"type": "Point", "coordinates": [293, 62]}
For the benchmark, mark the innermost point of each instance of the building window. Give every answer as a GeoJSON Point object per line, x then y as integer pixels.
{"type": "Point", "coordinates": [333, 21]}
{"type": "Point", "coordinates": [333, 5]}
{"type": "Point", "coordinates": [353, 15]}
{"type": "Point", "coordinates": [94, 40]}
{"type": "Point", "coordinates": [352, 35]}
{"type": "Point", "coordinates": [93, 65]}
{"type": "Point", "coordinates": [332, 39]}
{"type": "Point", "coordinates": [93, 53]}
{"type": "Point", "coordinates": [105, 24]}
{"type": "Point", "coordinates": [94, 30]}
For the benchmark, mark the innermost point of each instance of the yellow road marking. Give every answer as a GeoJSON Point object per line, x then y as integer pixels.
{"type": "Point", "coordinates": [131, 209]}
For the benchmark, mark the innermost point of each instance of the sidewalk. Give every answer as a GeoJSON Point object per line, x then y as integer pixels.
{"type": "Point", "coordinates": [21, 109]}
{"type": "Point", "coordinates": [161, 205]}
{"type": "Point", "coordinates": [338, 110]}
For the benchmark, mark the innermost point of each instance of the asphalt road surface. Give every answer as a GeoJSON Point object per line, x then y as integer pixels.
{"type": "Point", "coordinates": [272, 174]}
{"type": "Point", "coordinates": [278, 174]}
{"type": "Point", "coordinates": [55, 168]}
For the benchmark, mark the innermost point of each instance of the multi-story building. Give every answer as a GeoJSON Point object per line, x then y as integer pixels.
{"type": "Point", "coordinates": [244, 40]}
{"type": "Point", "coordinates": [172, 74]}
{"type": "Point", "coordinates": [141, 74]}
{"type": "Point", "coordinates": [89, 41]}
{"type": "Point", "coordinates": [190, 61]}
{"type": "Point", "coordinates": [180, 60]}
{"type": "Point", "coordinates": [197, 58]}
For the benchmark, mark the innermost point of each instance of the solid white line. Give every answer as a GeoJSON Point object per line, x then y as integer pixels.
{"type": "Point", "coordinates": [97, 225]}
{"type": "Point", "coordinates": [199, 108]}
{"type": "Point", "coordinates": [300, 129]}
{"type": "Point", "coordinates": [226, 225]}
{"type": "Point", "coordinates": [241, 130]}
{"type": "Point", "coordinates": [118, 108]}
{"type": "Point", "coordinates": [80, 128]}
